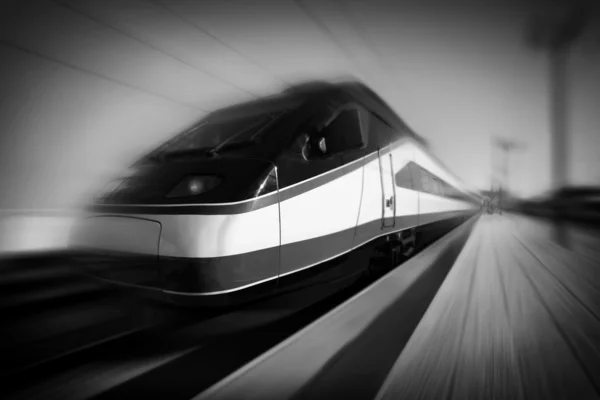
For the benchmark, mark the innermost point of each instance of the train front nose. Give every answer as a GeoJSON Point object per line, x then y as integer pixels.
{"type": "Point", "coordinates": [118, 249]}
{"type": "Point", "coordinates": [183, 226]}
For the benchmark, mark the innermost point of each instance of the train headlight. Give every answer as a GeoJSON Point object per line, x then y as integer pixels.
{"type": "Point", "coordinates": [194, 185]}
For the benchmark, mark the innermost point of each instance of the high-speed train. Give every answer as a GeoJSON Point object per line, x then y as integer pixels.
{"type": "Point", "coordinates": [261, 196]}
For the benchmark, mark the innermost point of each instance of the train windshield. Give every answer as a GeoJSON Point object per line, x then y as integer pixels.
{"type": "Point", "coordinates": [225, 131]}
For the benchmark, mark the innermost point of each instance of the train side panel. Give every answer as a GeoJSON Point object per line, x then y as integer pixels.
{"type": "Point", "coordinates": [369, 222]}
{"type": "Point", "coordinates": [406, 200]}
{"type": "Point", "coordinates": [436, 208]}
{"type": "Point", "coordinates": [196, 253]}
{"type": "Point", "coordinates": [319, 224]}
{"type": "Point", "coordinates": [215, 253]}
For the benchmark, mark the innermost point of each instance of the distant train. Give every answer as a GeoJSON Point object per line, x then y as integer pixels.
{"type": "Point", "coordinates": [261, 196]}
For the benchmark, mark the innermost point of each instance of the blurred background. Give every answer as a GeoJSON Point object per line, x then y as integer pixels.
{"type": "Point", "coordinates": [89, 85]}
{"type": "Point", "coordinates": [506, 94]}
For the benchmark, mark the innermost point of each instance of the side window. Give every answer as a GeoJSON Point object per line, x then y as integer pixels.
{"type": "Point", "coordinates": [435, 185]}
{"type": "Point", "coordinates": [439, 189]}
{"type": "Point", "coordinates": [447, 189]}
{"type": "Point", "coordinates": [450, 191]}
{"type": "Point", "coordinates": [453, 192]}
{"type": "Point", "coordinates": [426, 181]}
{"type": "Point", "coordinates": [404, 177]}
{"type": "Point", "coordinates": [457, 194]}
{"type": "Point", "coordinates": [415, 171]}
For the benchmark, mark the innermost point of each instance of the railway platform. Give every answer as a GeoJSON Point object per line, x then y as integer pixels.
{"type": "Point", "coordinates": [495, 309]}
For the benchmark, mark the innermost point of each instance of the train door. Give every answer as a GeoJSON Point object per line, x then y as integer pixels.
{"type": "Point", "coordinates": [388, 188]}
{"type": "Point", "coordinates": [320, 180]}
{"type": "Point", "coordinates": [382, 136]}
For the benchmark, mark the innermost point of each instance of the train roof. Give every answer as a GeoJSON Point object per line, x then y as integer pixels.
{"type": "Point", "coordinates": [315, 89]}
{"type": "Point", "coordinates": [369, 98]}
{"type": "Point", "coordinates": [356, 89]}
{"type": "Point", "coordinates": [300, 92]}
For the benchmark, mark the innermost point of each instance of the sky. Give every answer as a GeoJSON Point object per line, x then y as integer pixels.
{"type": "Point", "coordinates": [91, 84]}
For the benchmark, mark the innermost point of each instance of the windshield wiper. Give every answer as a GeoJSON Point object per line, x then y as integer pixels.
{"type": "Point", "coordinates": [183, 153]}
{"type": "Point", "coordinates": [231, 146]}
{"type": "Point", "coordinates": [206, 150]}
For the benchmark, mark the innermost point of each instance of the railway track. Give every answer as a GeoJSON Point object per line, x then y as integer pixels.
{"type": "Point", "coordinates": [66, 337]}
{"type": "Point", "coordinates": [193, 352]}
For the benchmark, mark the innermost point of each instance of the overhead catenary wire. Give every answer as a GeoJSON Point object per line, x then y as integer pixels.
{"type": "Point", "coordinates": [54, 60]}
{"type": "Point", "coordinates": [350, 16]}
{"type": "Point", "coordinates": [329, 34]}
{"type": "Point", "coordinates": [169, 9]}
{"type": "Point", "coordinates": [64, 4]}
{"type": "Point", "coordinates": [385, 68]}
{"type": "Point", "coordinates": [356, 26]}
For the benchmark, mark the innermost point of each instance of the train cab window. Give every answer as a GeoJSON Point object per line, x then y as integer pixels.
{"type": "Point", "coordinates": [328, 140]}
{"type": "Point", "coordinates": [404, 177]}
{"type": "Point", "coordinates": [342, 134]}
